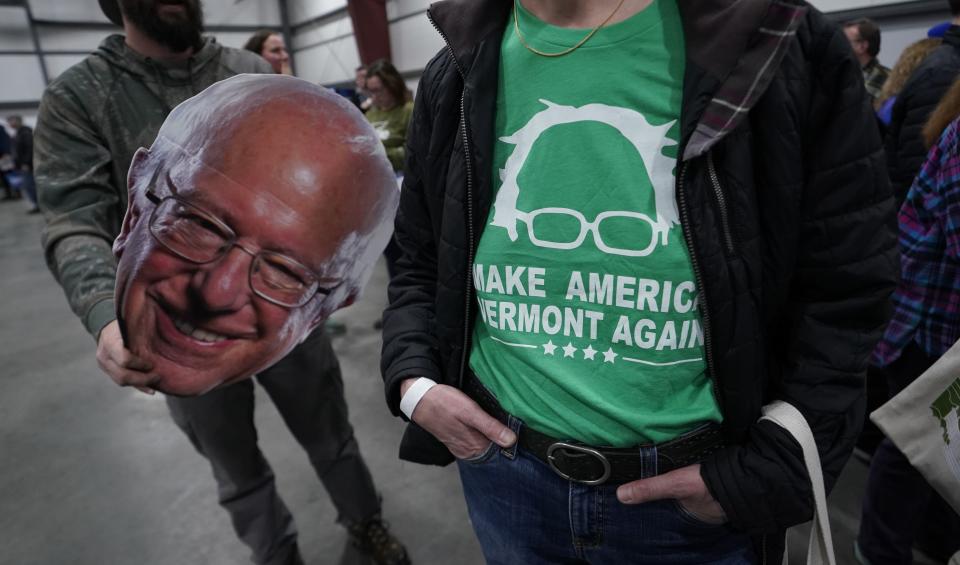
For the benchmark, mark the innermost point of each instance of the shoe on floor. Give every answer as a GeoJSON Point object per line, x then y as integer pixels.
{"type": "Point", "coordinates": [372, 537]}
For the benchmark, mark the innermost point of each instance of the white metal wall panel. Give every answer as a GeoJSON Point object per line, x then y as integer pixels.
{"type": "Point", "coordinates": [414, 42]}
{"type": "Point", "coordinates": [65, 39]}
{"type": "Point", "coordinates": [303, 10]}
{"type": "Point", "coordinates": [234, 12]}
{"type": "Point", "coordinates": [22, 78]}
{"type": "Point", "coordinates": [68, 10]}
{"type": "Point", "coordinates": [313, 35]}
{"type": "Point", "coordinates": [330, 62]}
{"type": "Point", "coordinates": [264, 13]}
{"type": "Point", "coordinates": [896, 35]}
{"type": "Point", "coordinates": [327, 53]}
{"type": "Point", "coordinates": [400, 8]}
{"type": "Point", "coordinates": [840, 5]}
{"type": "Point", "coordinates": [14, 29]}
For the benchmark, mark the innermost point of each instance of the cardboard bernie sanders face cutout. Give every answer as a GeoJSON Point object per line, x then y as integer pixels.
{"type": "Point", "coordinates": [262, 207]}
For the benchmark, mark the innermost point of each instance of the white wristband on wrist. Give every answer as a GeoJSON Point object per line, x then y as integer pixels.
{"type": "Point", "coordinates": [409, 401]}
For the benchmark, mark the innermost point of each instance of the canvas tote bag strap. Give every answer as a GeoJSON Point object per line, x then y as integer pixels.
{"type": "Point", "coordinates": [820, 550]}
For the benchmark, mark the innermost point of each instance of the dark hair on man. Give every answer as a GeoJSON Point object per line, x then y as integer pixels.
{"type": "Point", "coordinates": [390, 78]}
{"type": "Point", "coordinates": [256, 41]}
{"type": "Point", "coordinates": [955, 7]}
{"type": "Point", "coordinates": [869, 31]}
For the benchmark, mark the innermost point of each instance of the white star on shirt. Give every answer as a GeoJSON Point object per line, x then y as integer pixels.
{"type": "Point", "coordinates": [549, 348]}
{"type": "Point", "coordinates": [609, 355]}
{"type": "Point", "coordinates": [589, 352]}
{"type": "Point", "coordinates": [569, 350]}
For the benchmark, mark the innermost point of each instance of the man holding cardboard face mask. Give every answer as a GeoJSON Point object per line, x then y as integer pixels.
{"type": "Point", "coordinates": [232, 250]}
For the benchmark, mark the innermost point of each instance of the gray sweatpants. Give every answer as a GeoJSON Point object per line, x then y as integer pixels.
{"type": "Point", "coordinates": [307, 388]}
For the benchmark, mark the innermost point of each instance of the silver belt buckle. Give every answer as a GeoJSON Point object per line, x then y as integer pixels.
{"type": "Point", "coordinates": [584, 450]}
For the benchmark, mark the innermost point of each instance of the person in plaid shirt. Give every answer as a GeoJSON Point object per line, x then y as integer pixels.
{"type": "Point", "coordinates": [926, 322]}
{"type": "Point", "coordinates": [864, 37]}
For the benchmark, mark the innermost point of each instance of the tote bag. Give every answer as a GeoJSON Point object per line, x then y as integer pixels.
{"type": "Point", "coordinates": [785, 415]}
{"type": "Point", "coordinates": [922, 421]}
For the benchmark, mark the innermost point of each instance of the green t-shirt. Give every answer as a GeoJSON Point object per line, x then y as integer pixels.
{"type": "Point", "coordinates": [588, 327]}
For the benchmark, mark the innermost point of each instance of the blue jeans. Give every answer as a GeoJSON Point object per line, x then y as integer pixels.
{"type": "Point", "coordinates": [28, 186]}
{"type": "Point", "coordinates": [307, 388]}
{"type": "Point", "coordinates": [525, 514]}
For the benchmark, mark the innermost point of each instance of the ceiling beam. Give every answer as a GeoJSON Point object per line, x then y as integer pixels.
{"type": "Point", "coordinates": [9, 52]}
{"type": "Point", "coordinates": [287, 34]}
{"type": "Point", "coordinates": [32, 23]}
{"type": "Point", "coordinates": [6, 105]}
{"type": "Point", "coordinates": [109, 27]}
{"type": "Point", "coordinates": [891, 11]}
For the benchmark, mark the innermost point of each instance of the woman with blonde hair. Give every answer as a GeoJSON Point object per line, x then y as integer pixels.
{"type": "Point", "coordinates": [926, 322]}
{"type": "Point", "coordinates": [909, 60]}
{"type": "Point", "coordinates": [946, 111]}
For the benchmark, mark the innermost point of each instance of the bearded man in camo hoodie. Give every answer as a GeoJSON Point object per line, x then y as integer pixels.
{"type": "Point", "coordinates": [92, 120]}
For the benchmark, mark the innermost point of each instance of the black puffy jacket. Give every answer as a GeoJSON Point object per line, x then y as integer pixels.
{"type": "Point", "coordinates": [905, 148]}
{"type": "Point", "coordinates": [785, 206]}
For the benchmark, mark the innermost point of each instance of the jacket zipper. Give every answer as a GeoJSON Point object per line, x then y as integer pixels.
{"type": "Point", "coordinates": [721, 203]}
{"type": "Point", "coordinates": [470, 241]}
{"type": "Point", "coordinates": [470, 233]}
{"type": "Point", "coordinates": [698, 275]}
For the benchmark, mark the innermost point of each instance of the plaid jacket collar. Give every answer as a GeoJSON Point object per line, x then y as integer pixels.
{"type": "Point", "coordinates": [748, 79]}
{"type": "Point", "coordinates": [740, 61]}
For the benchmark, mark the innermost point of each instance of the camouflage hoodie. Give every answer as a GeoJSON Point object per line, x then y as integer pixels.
{"type": "Point", "coordinates": [92, 120]}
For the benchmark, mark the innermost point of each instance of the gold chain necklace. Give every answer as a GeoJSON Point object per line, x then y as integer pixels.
{"type": "Point", "coordinates": [516, 28]}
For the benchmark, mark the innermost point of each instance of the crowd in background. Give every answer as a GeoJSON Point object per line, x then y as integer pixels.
{"type": "Point", "coordinates": [918, 108]}
{"type": "Point", "coordinates": [16, 163]}
{"type": "Point", "coordinates": [917, 105]}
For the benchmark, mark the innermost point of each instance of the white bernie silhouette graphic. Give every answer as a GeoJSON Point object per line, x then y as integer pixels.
{"type": "Point", "coordinates": [649, 141]}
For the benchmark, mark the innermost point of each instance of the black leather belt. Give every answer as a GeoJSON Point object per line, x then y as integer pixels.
{"type": "Point", "coordinates": [598, 465]}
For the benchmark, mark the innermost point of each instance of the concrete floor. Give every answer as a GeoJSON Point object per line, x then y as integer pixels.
{"type": "Point", "coordinates": [94, 474]}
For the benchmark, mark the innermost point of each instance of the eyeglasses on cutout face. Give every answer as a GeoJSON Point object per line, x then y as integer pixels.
{"type": "Point", "coordinates": [193, 234]}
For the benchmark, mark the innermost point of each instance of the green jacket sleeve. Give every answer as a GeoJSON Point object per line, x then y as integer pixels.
{"type": "Point", "coordinates": [83, 209]}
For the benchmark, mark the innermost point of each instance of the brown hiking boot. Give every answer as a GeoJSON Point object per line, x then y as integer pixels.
{"type": "Point", "coordinates": [372, 537]}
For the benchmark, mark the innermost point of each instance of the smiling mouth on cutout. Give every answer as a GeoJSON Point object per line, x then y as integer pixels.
{"type": "Point", "coordinates": [186, 335]}
{"type": "Point", "coordinates": [186, 328]}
